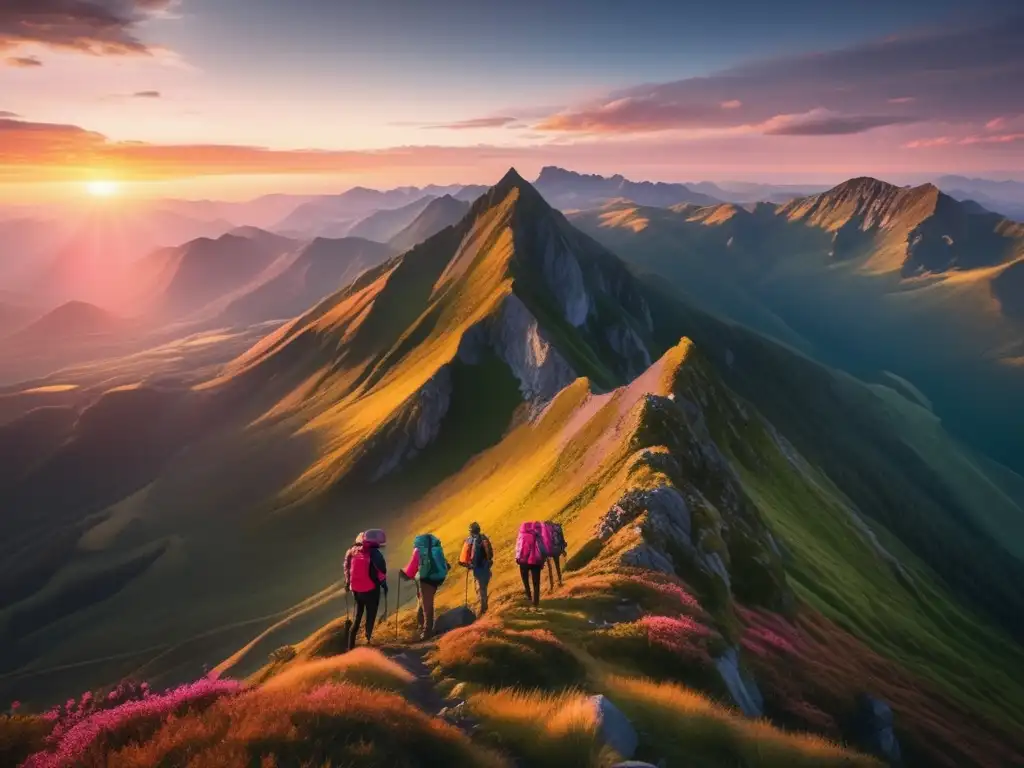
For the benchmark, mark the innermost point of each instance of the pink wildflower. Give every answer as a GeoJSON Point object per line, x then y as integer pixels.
{"type": "Point", "coordinates": [15, 706]}
{"type": "Point", "coordinates": [681, 635]}
{"type": "Point", "coordinates": [77, 736]}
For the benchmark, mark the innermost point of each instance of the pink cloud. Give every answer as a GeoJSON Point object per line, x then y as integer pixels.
{"type": "Point", "coordinates": [824, 122]}
{"type": "Point", "coordinates": [938, 141]}
{"type": "Point", "coordinates": [952, 75]}
{"type": "Point", "coordinates": [965, 141]}
{"type": "Point", "coordinates": [23, 62]}
{"type": "Point", "coordinates": [477, 122]}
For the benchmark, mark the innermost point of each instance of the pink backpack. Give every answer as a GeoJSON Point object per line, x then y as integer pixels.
{"type": "Point", "coordinates": [530, 546]}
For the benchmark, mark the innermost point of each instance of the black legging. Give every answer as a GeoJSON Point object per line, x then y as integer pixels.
{"type": "Point", "coordinates": [529, 572]}
{"type": "Point", "coordinates": [558, 567]}
{"type": "Point", "coordinates": [370, 602]}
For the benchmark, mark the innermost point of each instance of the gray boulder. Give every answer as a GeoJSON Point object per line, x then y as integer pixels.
{"type": "Point", "coordinates": [875, 729]}
{"type": "Point", "coordinates": [453, 619]}
{"type": "Point", "coordinates": [613, 727]}
{"type": "Point", "coordinates": [742, 688]}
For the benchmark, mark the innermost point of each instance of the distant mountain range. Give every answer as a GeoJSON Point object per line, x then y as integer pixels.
{"type": "Point", "coordinates": [569, 190]}
{"type": "Point", "coordinates": [440, 213]}
{"type": "Point", "coordinates": [304, 277]}
{"type": "Point", "coordinates": [866, 276]}
{"type": "Point", "coordinates": [336, 215]}
{"type": "Point", "coordinates": [1004, 197]}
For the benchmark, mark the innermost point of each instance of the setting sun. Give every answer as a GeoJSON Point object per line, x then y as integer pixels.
{"type": "Point", "coordinates": [102, 188]}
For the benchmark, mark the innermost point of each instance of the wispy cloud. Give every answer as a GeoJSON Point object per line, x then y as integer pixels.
{"type": "Point", "coordinates": [23, 62]}
{"type": "Point", "coordinates": [31, 151]}
{"type": "Point", "coordinates": [820, 122]}
{"type": "Point", "coordinates": [998, 132]}
{"type": "Point", "coordinates": [478, 122]}
{"type": "Point", "coordinates": [952, 75]}
{"type": "Point", "coordinates": [6, 114]}
{"type": "Point", "coordinates": [97, 27]}
{"type": "Point", "coordinates": [146, 95]}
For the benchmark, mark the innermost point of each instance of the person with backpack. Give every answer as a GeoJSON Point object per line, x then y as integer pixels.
{"type": "Point", "coordinates": [530, 556]}
{"type": "Point", "coordinates": [554, 540]}
{"type": "Point", "coordinates": [478, 556]}
{"type": "Point", "coordinates": [429, 568]}
{"type": "Point", "coordinates": [365, 576]}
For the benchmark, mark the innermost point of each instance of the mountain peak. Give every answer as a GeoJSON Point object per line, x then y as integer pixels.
{"type": "Point", "coordinates": [511, 180]}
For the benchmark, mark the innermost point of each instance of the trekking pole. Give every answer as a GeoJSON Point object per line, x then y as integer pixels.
{"type": "Point", "coordinates": [465, 601]}
{"type": "Point", "coordinates": [398, 605]}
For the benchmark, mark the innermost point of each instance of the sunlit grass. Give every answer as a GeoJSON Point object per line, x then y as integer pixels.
{"type": "Point", "coordinates": [360, 666]}
{"type": "Point", "coordinates": [560, 731]}
{"type": "Point", "coordinates": [335, 725]}
{"type": "Point", "coordinates": [490, 654]}
{"type": "Point", "coordinates": [683, 726]}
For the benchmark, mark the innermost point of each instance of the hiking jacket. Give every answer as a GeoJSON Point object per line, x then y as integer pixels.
{"type": "Point", "coordinates": [365, 567]}
{"type": "Point", "coordinates": [412, 570]}
{"type": "Point", "coordinates": [480, 561]}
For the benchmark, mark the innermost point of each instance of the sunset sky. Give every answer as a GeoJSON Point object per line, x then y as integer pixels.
{"type": "Point", "coordinates": [234, 98]}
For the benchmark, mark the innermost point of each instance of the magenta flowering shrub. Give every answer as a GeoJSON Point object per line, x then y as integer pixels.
{"type": "Point", "coordinates": [679, 634]}
{"type": "Point", "coordinates": [687, 602]}
{"type": "Point", "coordinates": [83, 731]}
{"type": "Point", "coordinates": [768, 634]}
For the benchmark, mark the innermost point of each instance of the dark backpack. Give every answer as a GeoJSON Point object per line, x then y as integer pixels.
{"type": "Point", "coordinates": [558, 545]}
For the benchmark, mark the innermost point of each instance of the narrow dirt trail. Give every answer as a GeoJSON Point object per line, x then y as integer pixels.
{"type": "Point", "coordinates": [423, 691]}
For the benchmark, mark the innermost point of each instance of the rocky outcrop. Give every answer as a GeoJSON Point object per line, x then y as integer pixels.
{"type": "Point", "coordinates": [613, 727]}
{"type": "Point", "coordinates": [875, 733]}
{"type": "Point", "coordinates": [741, 686]}
{"type": "Point", "coordinates": [565, 279]}
{"type": "Point", "coordinates": [625, 342]}
{"type": "Point", "coordinates": [514, 334]}
{"type": "Point", "coordinates": [692, 513]}
{"type": "Point", "coordinates": [417, 427]}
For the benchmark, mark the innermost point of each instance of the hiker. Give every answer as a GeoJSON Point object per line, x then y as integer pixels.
{"type": "Point", "coordinates": [530, 555]}
{"type": "Point", "coordinates": [554, 541]}
{"type": "Point", "coordinates": [478, 556]}
{"type": "Point", "coordinates": [428, 567]}
{"type": "Point", "coordinates": [365, 577]}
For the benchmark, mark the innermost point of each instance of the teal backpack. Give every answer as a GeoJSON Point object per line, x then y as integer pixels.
{"type": "Point", "coordinates": [433, 566]}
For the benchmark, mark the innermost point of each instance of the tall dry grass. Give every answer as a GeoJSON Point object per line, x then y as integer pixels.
{"type": "Point", "coordinates": [360, 666]}
{"type": "Point", "coordinates": [682, 726]}
{"type": "Point", "coordinates": [543, 730]}
{"type": "Point", "coordinates": [489, 654]}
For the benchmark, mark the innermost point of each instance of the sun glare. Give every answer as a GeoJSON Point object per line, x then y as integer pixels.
{"type": "Point", "coordinates": [102, 188]}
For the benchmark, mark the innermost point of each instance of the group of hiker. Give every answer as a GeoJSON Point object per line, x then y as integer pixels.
{"type": "Point", "coordinates": [538, 544]}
